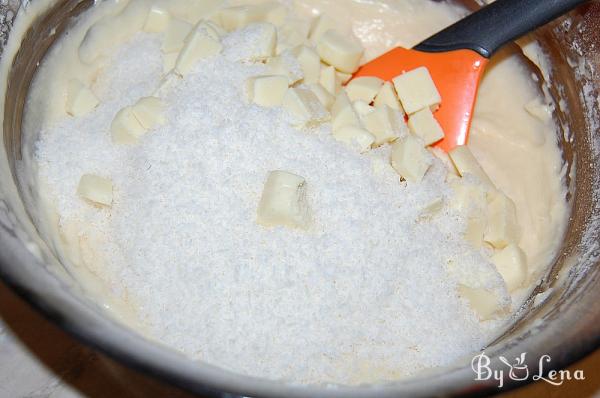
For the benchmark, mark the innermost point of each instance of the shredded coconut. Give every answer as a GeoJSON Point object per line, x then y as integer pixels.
{"type": "Point", "coordinates": [364, 295]}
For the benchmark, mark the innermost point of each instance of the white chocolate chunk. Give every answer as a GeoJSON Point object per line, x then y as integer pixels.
{"type": "Point", "coordinates": [470, 199]}
{"type": "Point", "coordinates": [112, 30]}
{"type": "Point", "coordinates": [484, 303]}
{"type": "Point", "coordinates": [201, 43]}
{"type": "Point", "coordinates": [167, 83]}
{"type": "Point", "coordinates": [323, 95]}
{"type": "Point", "coordinates": [356, 137]}
{"type": "Point", "coordinates": [320, 25]}
{"type": "Point", "coordinates": [305, 106]}
{"type": "Point", "coordinates": [291, 35]}
{"type": "Point", "coordinates": [287, 65]}
{"type": "Point", "coordinates": [150, 112]}
{"type": "Point", "coordinates": [216, 28]}
{"type": "Point", "coordinates": [417, 90]}
{"type": "Point", "coordinates": [340, 51]}
{"type": "Point", "coordinates": [465, 163]}
{"type": "Point", "coordinates": [384, 124]}
{"type": "Point", "coordinates": [267, 91]}
{"type": "Point", "coordinates": [364, 88]}
{"type": "Point", "coordinates": [98, 190]}
{"type": "Point", "coordinates": [283, 201]}
{"type": "Point", "coordinates": [475, 229]}
{"type": "Point", "coordinates": [387, 96]}
{"type": "Point", "coordinates": [410, 159]}
{"type": "Point", "coordinates": [272, 12]}
{"type": "Point", "coordinates": [329, 80]}
{"type": "Point", "coordinates": [264, 41]}
{"type": "Point", "coordinates": [80, 99]}
{"type": "Point", "coordinates": [169, 61]}
{"type": "Point", "coordinates": [175, 35]}
{"type": "Point", "coordinates": [468, 194]}
{"type": "Point", "coordinates": [424, 125]}
{"type": "Point", "coordinates": [157, 20]}
{"type": "Point", "coordinates": [343, 113]}
{"type": "Point", "coordinates": [511, 263]}
{"type": "Point", "coordinates": [237, 17]}
{"type": "Point", "coordinates": [362, 108]}
{"type": "Point", "coordinates": [310, 63]}
{"type": "Point", "coordinates": [125, 127]}
{"type": "Point", "coordinates": [502, 226]}
{"type": "Point", "coordinates": [233, 18]}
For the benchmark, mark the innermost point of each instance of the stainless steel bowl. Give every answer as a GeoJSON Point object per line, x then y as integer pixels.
{"type": "Point", "coordinates": [565, 326]}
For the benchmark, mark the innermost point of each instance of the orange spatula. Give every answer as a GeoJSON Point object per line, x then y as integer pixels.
{"type": "Point", "coordinates": [456, 57]}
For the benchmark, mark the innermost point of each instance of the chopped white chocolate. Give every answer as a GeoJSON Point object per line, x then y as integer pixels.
{"type": "Point", "coordinates": [202, 42]}
{"type": "Point", "coordinates": [283, 201]}
{"type": "Point", "coordinates": [96, 189]}
{"type": "Point", "coordinates": [264, 43]}
{"type": "Point", "coordinates": [340, 51]}
{"type": "Point", "coordinates": [150, 112]}
{"type": "Point", "coordinates": [305, 106]}
{"type": "Point", "coordinates": [169, 61]}
{"type": "Point", "coordinates": [387, 96]}
{"type": "Point", "coordinates": [167, 83]}
{"type": "Point", "coordinates": [320, 25]}
{"type": "Point", "coordinates": [362, 108]}
{"type": "Point", "coordinates": [343, 113]}
{"type": "Point", "coordinates": [175, 35]}
{"type": "Point", "coordinates": [410, 159]}
{"type": "Point", "coordinates": [206, 28]}
{"type": "Point", "coordinates": [125, 127]}
{"type": "Point", "coordinates": [309, 62]}
{"type": "Point", "coordinates": [323, 95]}
{"type": "Point", "coordinates": [511, 263]}
{"type": "Point", "coordinates": [483, 302]}
{"type": "Point", "coordinates": [502, 226]}
{"type": "Point", "coordinates": [364, 88]}
{"type": "Point", "coordinates": [356, 137]}
{"type": "Point", "coordinates": [424, 125]}
{"type": "Point", "coordinates": [465, 163]}
{"type": "Point", "coordinates": [468, 194]}
{"type": "Point", "coordinates": [384, 124]}
{"type": "Point", "coordinates": [475, 228]}
{"type": "Point", "coordinates": [272, 12]}
{"type": "Point", "coordinates": [267, 91]}
{"type": "Point", "coordinates": [329, 80]}
{"type": "Point", "coordinates": [237, 17]}
{"type": "Point", "coordinates": [291, 35]}
{"type": "Point", "coordinates": [287, 65]}
{"type": "Point", "coordinates": [470, 197]}
{"type": "Point", "coordinates": [80, 99]}
{"type": "Point", "coordinates": [443, 156]}
{"type": "Point", "coordinates": [157, 20]}
{"type": "Point", "coordinates": [416, 90]}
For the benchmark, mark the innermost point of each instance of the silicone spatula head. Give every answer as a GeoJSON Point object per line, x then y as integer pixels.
{"type": "Point", "coordinates": [456, 57]}
{"type": "Point", "coordinates": [456, 75]}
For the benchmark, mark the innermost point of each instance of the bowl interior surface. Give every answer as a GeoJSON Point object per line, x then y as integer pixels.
{"type": "Point", "coordinates": [565, 325]}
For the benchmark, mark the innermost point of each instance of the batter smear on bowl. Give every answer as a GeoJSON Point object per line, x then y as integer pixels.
{"type": "Point", "coordinates": [214, 182]}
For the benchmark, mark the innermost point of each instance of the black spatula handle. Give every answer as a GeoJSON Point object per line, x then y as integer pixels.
{"type": "Point", "coordinates": [488, 29]}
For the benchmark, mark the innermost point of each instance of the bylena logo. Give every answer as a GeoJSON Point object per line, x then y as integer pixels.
{"type": "Point", "coordinates": [519, 371]}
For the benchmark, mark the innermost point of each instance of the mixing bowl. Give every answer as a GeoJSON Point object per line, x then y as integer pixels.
{"type": "Point", "coordinates": [558, 324]}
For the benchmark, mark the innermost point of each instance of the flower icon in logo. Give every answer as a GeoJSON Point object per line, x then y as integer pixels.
{"type": "Point", "coordinates": [519, 371]}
